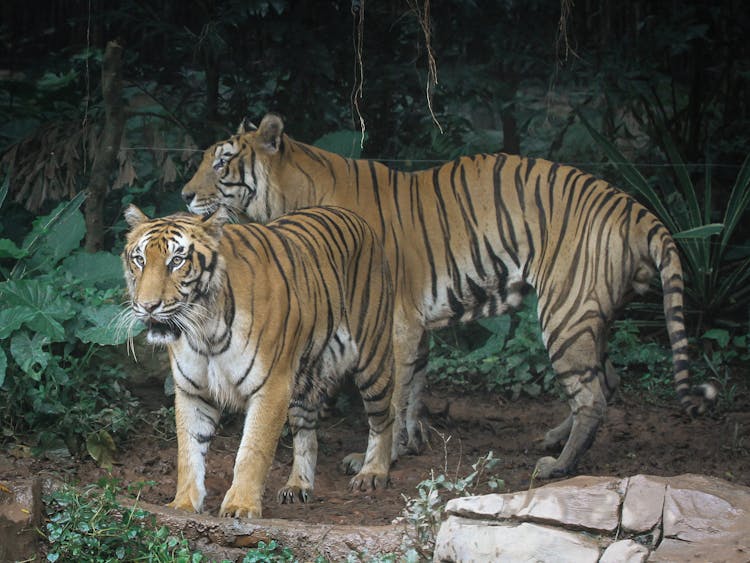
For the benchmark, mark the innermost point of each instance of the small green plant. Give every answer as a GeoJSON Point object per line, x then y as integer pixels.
{"type": "Point", "coordinates": [643, 364]}
{"type": "Point", "coordinates": [89, 525]}
{"type": "Point", "coordinates": [271, 552]}
{"type": "Point", "coordinates": [724, 358]}
{"type": "Point", "coordinates": [58, 307]}
{"type": "Point", "coordinates": [424, 513]}
{"type": "Point", "coordinates": [511, 358]}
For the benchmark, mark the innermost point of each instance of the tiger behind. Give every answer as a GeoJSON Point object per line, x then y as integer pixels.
{"type": "Point", "coordinates": [463, 241]}
{"type": "Point", "coordinates": [266, 320]}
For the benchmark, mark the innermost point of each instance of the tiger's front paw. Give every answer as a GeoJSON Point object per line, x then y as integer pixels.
{"type": "Point", "coordinates": [368, 481]}
{"type": "Point", "coordinates": [291, 493]}
{"type": "Point", "coordinates": [353, 463]}
{"type": "Point", "coordinates": [189, 499]}
{"type": "Point", "coordinates": [240, 506]}
{"type": "Point", "coordinates": [182, 504]}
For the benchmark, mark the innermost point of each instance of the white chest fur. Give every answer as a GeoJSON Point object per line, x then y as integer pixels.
{"type": "Point", "coordinates": [226, 379]}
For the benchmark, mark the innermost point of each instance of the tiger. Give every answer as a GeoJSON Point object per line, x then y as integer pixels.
{"type": "Point", "coordinates": [466, 240]}
{"type": "Point", "coordinates": [265, 319]}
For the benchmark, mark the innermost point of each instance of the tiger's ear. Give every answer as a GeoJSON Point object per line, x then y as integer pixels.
{"type": "Point", "coordinates": [270, 130]}
{"type": "Point", "coordinates": [246, 126]}
{"type": "Point", "coordinates": [134, 216]}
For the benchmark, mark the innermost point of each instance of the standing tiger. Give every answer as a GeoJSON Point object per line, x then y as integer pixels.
{"type": "Point", "coordinates": [463, 241]}
{"type": "Point", "coordinates": [266, 320]}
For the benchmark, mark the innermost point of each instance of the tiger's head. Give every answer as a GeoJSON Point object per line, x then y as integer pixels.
{"type": "Point", "coordinates": [235, 173]}
{"type": "Point", "coordinates": [173, 270]}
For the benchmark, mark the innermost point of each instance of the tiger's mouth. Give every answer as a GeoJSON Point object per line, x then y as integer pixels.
{"type": "Point", "coordinates": [204, 208]}
{"type": "Point", "coordinates": [161, 332]}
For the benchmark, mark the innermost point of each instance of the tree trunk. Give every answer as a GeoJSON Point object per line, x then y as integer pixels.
{"type": "Point", "coordinates": [106, 158]}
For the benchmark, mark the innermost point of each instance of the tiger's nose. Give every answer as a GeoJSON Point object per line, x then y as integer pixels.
{"type": "Point", "coordinates": [188, 197]}
{"type": "Point", "coordinates": [151, 306]}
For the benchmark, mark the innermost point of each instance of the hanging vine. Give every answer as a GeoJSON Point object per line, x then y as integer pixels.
{"type": "Point", "coordinates": [423, 18]}
{"type": "Point", "coordinates": [358, 30]}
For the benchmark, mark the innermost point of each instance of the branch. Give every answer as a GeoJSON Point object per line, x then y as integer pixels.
{"type": "Point", "coordinates": [106, 158]}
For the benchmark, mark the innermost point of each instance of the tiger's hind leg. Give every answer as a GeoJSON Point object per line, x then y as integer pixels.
{"type": "Point", "coordinates": [609, 381]}
{"type": "Point", "coordinates": [577, 351]}
{"type": "Point", "coordinates": [301, 482]}
{"type": "Point", "coordinates": [375, 384]}
{"type": "Point", "coordinates": [416, 433]}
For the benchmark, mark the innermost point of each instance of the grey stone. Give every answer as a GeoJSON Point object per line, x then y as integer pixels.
{"type": "Point", "coordinates": [590, 503]}
{"type": "Point", "coordinates": [730, 550]}
{"type": "Point", "coordinates": [700, 509]}
{"type": "Point", "coordinates": [644, 503]}
{"type": "Point", "coordinates": [625, 551]}
{"type": "Point", "coordinates": [466, 540]}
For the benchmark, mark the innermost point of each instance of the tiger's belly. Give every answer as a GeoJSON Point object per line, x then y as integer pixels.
{"type": "Point", "coordinates": [471, 299]}
{"type": "Point", "coordinates": [324, 376]}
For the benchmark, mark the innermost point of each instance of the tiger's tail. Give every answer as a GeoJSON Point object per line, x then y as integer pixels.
{"type": "Point", "coordinates": [663, 251]}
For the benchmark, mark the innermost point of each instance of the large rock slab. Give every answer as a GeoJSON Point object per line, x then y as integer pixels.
{"type": "Point", "coordinates": [464, 540]}
{"type": "Point", "coordinates": [588, 503]}
{"type": "Point", "coordinates": [642, 518]}
{"type": "Point", "coordinates": [644, 503]}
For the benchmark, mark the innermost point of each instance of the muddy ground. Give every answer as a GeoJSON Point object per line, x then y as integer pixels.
{"type": "Point", "coordinates": [636, 438]}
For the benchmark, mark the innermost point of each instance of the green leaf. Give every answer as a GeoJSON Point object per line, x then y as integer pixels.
{"type": "Point", "coordinates": [4, 187]}
{"type": "Point", "coordinates": [100, 268]}
{"type": "Point", "coordinates": [53, 237]}
{"type": "Point", "coordinates": [3, 366]}
{"type": "Point", "coordinates": [719, 335]}
{"type": "Point", "coordinates": [700, 233]}
{"type": "Point", "coordinates": [103, 328]}
{"type": "Point", "coordinates": [8, 249]}
{"type": "Point", "coordinates": [29, 354]}
{"type": "Point", "coordinates": [13, 318]}
{"type": "Point", "coordinates": [345, 143]}
{"type": "Point", "coordinates": [51, 81]}
{"type": "Point", "coordinates": [101, 447]}
{"type": "Point", "coordinates": [50, 309]}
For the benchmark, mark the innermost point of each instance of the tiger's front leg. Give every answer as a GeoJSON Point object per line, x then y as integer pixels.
{"type": "Point", "coordinates": [196, 422]}
{"type": "Point", "coordinates": [264, 420]}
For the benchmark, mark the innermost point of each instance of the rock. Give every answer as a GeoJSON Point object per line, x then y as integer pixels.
{"type": "Point", "coordinates": [463, 540]}
{"type": "Point", "coordinates": [686, 518]}
{"type": "Point", "coordinates": [699, 508]}
{"type": "Point", "coordinates": [624, 551]}
{"type": "Point", "coordinates": [588, 503]}
{"type": "Point", "coordinates": [20, 515]}
{"type": "Point", "coordinates": [644, 502]}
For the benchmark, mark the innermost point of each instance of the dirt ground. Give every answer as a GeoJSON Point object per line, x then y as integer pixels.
{"type": "Point", "coordinates": [635, 438]}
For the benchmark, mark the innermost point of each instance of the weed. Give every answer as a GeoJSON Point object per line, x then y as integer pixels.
{"type": "Point", "coordinates": [424, 513]}
{"type": "Point", "coordinates": [89, 525]}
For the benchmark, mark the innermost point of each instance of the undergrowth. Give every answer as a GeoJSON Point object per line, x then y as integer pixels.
{"type": "Point", "coordinates": [90, 526]}
{"type": "Point", "coordinates": [424, 513]}
{"type": "Point", "coordinates": [506, 355]}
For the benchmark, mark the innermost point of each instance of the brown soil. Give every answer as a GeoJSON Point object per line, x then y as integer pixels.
{"type": "Point", "coordinates": [636, 438]}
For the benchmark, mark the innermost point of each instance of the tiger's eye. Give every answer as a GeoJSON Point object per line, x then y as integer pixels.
{"type": "Point", "coordinates": [176, 262]}
{"type": "Point", "coordinates": [138, 260]}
